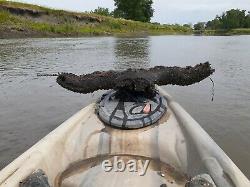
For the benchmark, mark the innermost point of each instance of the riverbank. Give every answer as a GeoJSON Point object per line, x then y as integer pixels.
{"type": "Point", "coordinates": [19, 20]}
{"type": "Point", "coordinates": [221, 32]}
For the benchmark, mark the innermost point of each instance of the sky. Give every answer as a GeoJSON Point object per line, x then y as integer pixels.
{"type": "Point", "coordinates": [166, 11]}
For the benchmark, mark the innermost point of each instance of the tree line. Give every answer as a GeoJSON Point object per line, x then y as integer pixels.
{"type": "Point", "coordinates": [139, 10]}
{"type": "Point", "coordinates": [231, 19]}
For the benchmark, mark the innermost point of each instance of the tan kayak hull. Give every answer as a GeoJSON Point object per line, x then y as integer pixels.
{"type": "Point", "coordinates": [176, 146]}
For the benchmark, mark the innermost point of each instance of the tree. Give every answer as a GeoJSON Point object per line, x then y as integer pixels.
{"type": "Point", "coordinates": [200, 26]}
{"type": "Point", "coordinates": [247, 20]}
{"type": "Point", "coordinates": [102, 11]}
{"type": "Point", "coordinates": [188, 25]}
{"type": "Point", "coordinates": [214, 24]}
{"type": "Point", "coordinates": [138, 10]}
{"type": "Point", "coordinates": [233, 18]}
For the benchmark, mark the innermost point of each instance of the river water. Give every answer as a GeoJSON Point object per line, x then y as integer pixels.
{"type": "Point", "coordinates": [31, 106]}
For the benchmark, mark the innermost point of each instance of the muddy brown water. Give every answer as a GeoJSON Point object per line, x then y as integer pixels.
{"type": "Point", "coordinates": [31, 106]}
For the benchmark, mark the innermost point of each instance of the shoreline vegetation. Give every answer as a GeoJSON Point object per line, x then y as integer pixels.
{"type": "Point", "coordinates": [20, 20]}
{"type": "Point", "coordinates": [223, 32]}
{"type": "Point", "coordinates": [231, 22]}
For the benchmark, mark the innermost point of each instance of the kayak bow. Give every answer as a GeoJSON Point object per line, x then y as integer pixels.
{"type": "Point", "coordinates": [180, 152]}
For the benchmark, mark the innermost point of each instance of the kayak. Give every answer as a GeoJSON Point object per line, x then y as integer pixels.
{"type": "Point", "coordinates": [172, 151]}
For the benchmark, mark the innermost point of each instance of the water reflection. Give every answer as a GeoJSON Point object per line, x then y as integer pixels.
{"type": "Point", "coordinates": [132, 53]}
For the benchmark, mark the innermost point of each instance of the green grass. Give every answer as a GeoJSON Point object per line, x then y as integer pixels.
{"type": "Point", "coordinates": [222, 32]}
{"type": "Point", "coordinates": [66, 25]}
{"type": "Point", "coordinates": [240, 31]}
{"type": "Point", "coordinates": [14, 22]}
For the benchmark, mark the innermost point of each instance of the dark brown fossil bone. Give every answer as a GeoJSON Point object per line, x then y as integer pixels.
{"type": "Point", "coordinates": [135, 80]}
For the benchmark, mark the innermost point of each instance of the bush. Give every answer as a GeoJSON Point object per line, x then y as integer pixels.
{"type": "Point", "coordinates": [102, 11]}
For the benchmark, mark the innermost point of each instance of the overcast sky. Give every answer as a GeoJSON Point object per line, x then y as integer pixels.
{"type": "Point", "coordinates": [166, 11]}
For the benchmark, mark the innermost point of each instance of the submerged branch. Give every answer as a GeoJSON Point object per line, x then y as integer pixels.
{"type": "Point", "coordinates": [137, 80]}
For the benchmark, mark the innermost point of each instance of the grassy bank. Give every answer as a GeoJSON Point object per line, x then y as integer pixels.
{"type": "Point", "coordinates": [25, 20]}
{"type": "Point", "coordinates": [221, 32]}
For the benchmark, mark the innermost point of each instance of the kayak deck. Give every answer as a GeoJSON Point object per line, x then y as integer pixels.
{"type": "Point", "coordinates": [85, 172]}
{"type": "Point", "coordinates": [157, 143]}
{"type": "Point", "coordinates": [176, 146]}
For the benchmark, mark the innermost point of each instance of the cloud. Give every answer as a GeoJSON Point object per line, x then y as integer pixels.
{"type": "Point", "coordinates": [192, 11]}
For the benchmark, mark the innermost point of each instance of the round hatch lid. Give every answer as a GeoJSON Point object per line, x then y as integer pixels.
{"type": "Point", "coordinates": [131, 115]}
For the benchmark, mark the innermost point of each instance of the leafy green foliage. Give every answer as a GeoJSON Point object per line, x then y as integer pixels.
{"type": "Point", "coordinates": [188, 25]}
{"type": "Point", "coordinates": [214, 24]}
{"type": "Point", "coordinates": [138, 10]}
{"type": "Point", "coordinates": [247, 21]}
{"type": "Point", "coordinates": [231, 19]}
{"type": "Point", "coordinates": [199, 26]}
{"type": "Point", "coordinates": [102, 11]}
